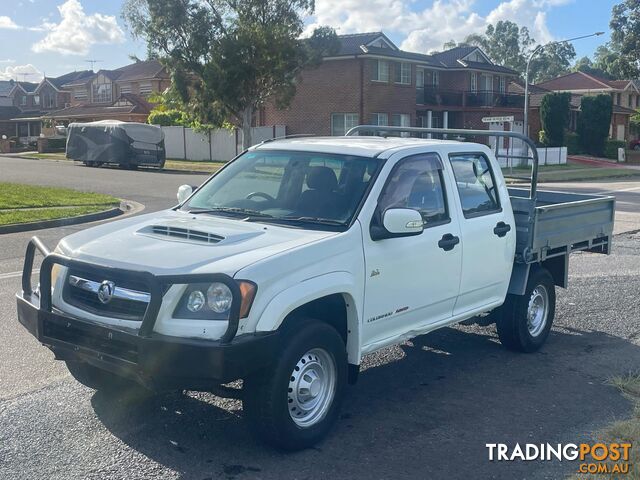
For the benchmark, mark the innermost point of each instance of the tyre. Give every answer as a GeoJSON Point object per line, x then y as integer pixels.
{"type": "Point", "coordinates": [99, 379]}
{"type": "Point", "coordinates": [294, 403]}
{"type": "Point", "coordinates": [525, 320]}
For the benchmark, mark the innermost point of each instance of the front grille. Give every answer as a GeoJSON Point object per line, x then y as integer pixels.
{"type": "Point", "coordinates": [186, 234]}
{"type": "Point", "coordinates": [89, 339]}
{"type": "Point", "coordinates": [81, 296]}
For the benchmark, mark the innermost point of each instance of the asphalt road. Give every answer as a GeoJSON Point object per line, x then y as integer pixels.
{"type": "Point", "coordinates": [425, 409]}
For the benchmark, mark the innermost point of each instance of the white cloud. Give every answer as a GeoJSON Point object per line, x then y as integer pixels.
{"type": "Point", "coordinates": [77, 31]}
{"type": "Point", "coordinates": [7, 23]}
{"type": "Point", "coordinates": [27, 73]}
{"type": "Point", "coordinates": [428, 28]}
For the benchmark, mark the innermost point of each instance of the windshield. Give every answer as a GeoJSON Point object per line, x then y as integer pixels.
{"type": "Point", "coordinates": [288, 187]}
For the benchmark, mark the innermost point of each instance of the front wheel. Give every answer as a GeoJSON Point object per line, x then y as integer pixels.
{"type": "Point", "coordinates": [524, 321]}
{"type": "Point", "coordinates": [293, 404]}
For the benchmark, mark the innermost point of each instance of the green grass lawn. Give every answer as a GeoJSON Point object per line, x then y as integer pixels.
{"type": "Point", "coordinates": [205, 167]}
{"type": "Point", "coordinates": [10, 217]}
{"type": "Point", "coordinates": [15, 195]}
{"type": "Point", "coordinates": [568, 172]}
{"type": "Point", "coordinates": [28, 203]}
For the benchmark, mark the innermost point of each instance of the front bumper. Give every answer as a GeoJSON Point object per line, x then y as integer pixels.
{"type": "Point", "coordinates": [154, 360]}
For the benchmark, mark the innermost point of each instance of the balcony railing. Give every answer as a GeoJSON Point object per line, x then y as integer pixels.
{"type": "Point", "coordinates": [459, 98]}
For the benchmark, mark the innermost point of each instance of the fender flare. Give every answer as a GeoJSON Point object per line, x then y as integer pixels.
{"type": "Point", "coordinates": [311, 289]}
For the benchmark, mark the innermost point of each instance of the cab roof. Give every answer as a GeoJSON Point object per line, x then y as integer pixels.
{"type": "Point", "coordinates": [369, 146]}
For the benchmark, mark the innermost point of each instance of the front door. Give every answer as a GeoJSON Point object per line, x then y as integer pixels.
{"type": "Point", "coordinates": [488, 231]}
{"type": "Point", "coordinates": [412, 281]}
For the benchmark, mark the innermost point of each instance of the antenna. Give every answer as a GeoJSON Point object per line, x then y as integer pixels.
{"type": "Point", "coordinates": [93, 62]}
{"type": "Point", "coordinates": [24, 75]}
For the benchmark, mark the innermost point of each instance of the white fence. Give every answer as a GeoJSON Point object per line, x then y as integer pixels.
{"type": "Point", "coordinates": [546, 156]}
{"type": "Point", "coordinates": [221, 144]}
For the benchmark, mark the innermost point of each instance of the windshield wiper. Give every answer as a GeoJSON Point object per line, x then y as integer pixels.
{"type": "Point", "coordinates": [232, 210]}
{"type": "Point", "coordinates": [319, 220]}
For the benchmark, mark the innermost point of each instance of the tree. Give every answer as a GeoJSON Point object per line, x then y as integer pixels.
{"type": "Point", "coordinates": [594, 122]}
{"type": "Point", "coordinates": [613, 63]}
{"type": "Point", "coordinates": [625, 36]}
{"type": "Point", "coordinates": [228, 58]}
{"type": "Point", "coordinates": [510, 45]}
{"type": "Point", "coordinates": [554, 60]}
{"type": "Point", "coordinates": [554, 116]}
{"type": "Point", "coordinates": [505, 43]}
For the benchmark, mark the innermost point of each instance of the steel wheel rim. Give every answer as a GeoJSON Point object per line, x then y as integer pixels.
{"type": "Point", "coordinates": [537, 310]}
{"type": "Point", "coordinates": [312, 386]}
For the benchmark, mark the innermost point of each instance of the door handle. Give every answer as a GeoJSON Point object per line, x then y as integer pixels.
{"type": "Point", "coordinates": [448, 241]}
{"type": "Point", "coordinates": [501, 229]}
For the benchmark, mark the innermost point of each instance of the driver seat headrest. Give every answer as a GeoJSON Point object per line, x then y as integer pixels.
{"type": "Point", "coordinates": [322, 178]}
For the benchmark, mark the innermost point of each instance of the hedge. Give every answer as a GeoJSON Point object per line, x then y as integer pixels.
{"type": "Point", "coordinates": [611, 148]}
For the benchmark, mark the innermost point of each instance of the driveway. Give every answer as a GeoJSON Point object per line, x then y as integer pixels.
{"type": "Point", "coordinates": [424, 409]}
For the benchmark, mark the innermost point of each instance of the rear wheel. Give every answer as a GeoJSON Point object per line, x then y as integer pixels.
{"type": "Point", "coordinates": [293, 404]}
{"type": "Point", "coordinates": [524, 321]}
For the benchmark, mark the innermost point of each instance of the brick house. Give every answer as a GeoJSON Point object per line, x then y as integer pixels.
{"type": "Point", "coordinates": [371, 81]}
{"type": "Point", "coordinates": [624, 93]}
{"type": "Point", "coordinates": [120, 94]}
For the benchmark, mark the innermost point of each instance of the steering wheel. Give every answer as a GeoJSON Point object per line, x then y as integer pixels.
{"type": "Point", "coordinates": [266, 196]}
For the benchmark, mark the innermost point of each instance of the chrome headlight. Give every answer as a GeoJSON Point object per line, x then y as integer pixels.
{"type": "Point", "coordinates": [219, 297]}
{"type": "Point", "coordinates": [213, 301]}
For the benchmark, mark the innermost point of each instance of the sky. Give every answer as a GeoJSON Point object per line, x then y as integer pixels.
{"type": "Point", "coordinates": [53, 37]}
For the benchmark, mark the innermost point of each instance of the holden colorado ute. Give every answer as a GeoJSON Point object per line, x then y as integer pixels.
{"type": "Point", "coordinates": [298, 258]}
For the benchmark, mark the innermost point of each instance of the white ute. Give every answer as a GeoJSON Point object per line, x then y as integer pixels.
{"type": "Point", "coordinates": [298, 258]}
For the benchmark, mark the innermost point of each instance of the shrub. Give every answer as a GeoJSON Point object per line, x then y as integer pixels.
{"type": "Point", "coordinates": [554, 116]}
{"type": "Point", "coordinates": [572, 141]}
{"type": "Point", "coordinates": [166, 118]}
{"type": "Point", "coordinates": [593, 123]}
{"type": "Point", "coordinates": [611, 148]}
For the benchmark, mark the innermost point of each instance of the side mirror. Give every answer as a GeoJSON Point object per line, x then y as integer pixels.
{"type": "Point", "coordinates": [184, 192]}
{"type": "Point", "coordinates": [398, 222]}
{"type": "Point", "coordinates": [403, 221]}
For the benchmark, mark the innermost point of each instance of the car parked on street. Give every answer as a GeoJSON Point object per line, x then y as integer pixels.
{"type": "Point", "coordinates": [298, 258]}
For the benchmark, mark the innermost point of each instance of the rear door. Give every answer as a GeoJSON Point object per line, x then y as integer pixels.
{"type": "Point", "coordinates": [487, 229]}
{"type": "Point", "coordinates": [412, 281]}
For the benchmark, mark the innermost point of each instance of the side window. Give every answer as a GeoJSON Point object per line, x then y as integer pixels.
{"type": "Point", "coordinates": [417, 182]}
{"type": "Point", "coordinates": [476, 184]}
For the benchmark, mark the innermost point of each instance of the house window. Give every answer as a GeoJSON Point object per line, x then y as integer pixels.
{"type": "Point", "coordinates": [630, 101]}
{"type": "Point", "coordinates": [618, 99]}
{"type": "Point", "coordinates": [379, 119]}
{"type": "Point", "coordinates": [23, 100]}
{"type": "Point", "coordinates": [419, 78]}
{"type": "Point", "coordinates": [145, 88]}
{"type": "Point", "coordinates": [341, 123]}
{"type": "Point", "coordinates": [380, 71]}
{"type": "Point", "coordinates": [435, 78]}
{"type": "Point", "coordinates": [403, 73]}
{"type": "Point", "coordinates": [80, 94]}
{"type": "Point", "coordinates": [125, 88]}
{"type": "Point", "coordinates": [474, 82]}
{"type": "Point", "coordinates": [401, 120]}
{"type": "Point", "coordinates": [503, 84]}
{"type": "Point", "coordinates": [102, 93]}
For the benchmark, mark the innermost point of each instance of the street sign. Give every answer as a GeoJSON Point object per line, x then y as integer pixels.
{"type": "Point", "coordinates": [509, 118]}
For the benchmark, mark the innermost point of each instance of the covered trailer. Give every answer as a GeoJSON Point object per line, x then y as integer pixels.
{"type": "Point", "coordinates": [127, 144]}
